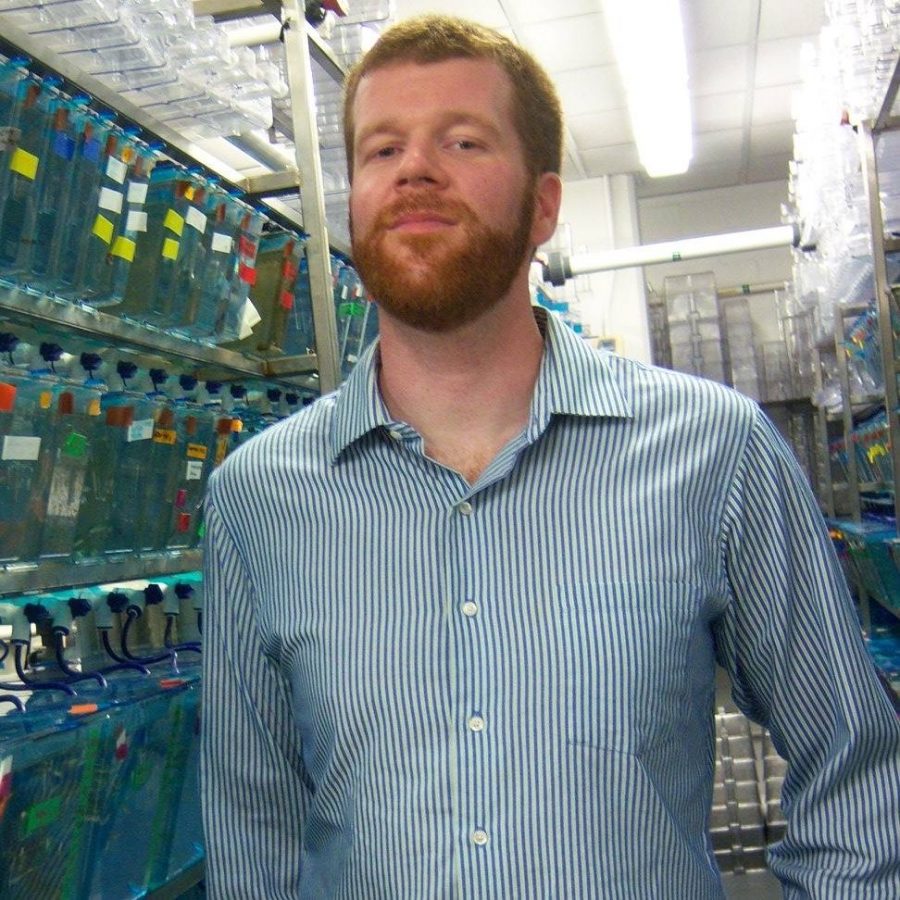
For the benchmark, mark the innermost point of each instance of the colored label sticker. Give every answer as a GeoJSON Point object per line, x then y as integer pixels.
{"type": "Point", "coordinates": [42, 814]}
{"type": "Point", "coordinates": [136, 221]}
{"type": "Point", "coordinates": [286, 299]}
{"type": "Point", "coordinates": [142, 430]}
{"type": "Point", "coordinates": [94, 408]}
{"type": "Point", "coordinates": [24, 163]}
{"type": "Point", "coordinates": [103, 228]}
{"type": "Point", "coordinates": [222, 243]}
{"type": "Point", "coordinates": [75, 445]}
{"type": "Point", "coordinates": [21, 448]}
{"type": "Point", "coordinates": [174, 222]}
{"type": "Point", "coordinates": [110, 200]}
{"type": "Point", "coordinates": [165, 436]}
{"type": "Point", "coordinates": [196, 219]}
{"type": "Point", "coordinates": [170, 249]}
{"type": "Point", "coordinates": [45, 400]}
{"type": "Point", "coordinates": [194, 470]}
{"type": "Point", "coordinates": [247, 274]}
{"type": "Point", "coordinates": [137, 192]}
{"type": "Point", "coordinates": [116, 170]}
{"type": "Point", "coordinates": [63, 145]}
{"type": "Point", "coordinates": [90, 150]}
{"type": "Point", "coordinates": [124, 248]}
{"type": "Point", "coordinates": [197, 451]}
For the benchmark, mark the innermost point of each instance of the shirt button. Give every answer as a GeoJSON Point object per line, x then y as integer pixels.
{"type": "Point", "coordinates": [465, 508]}
{"type": "Point", "coordinates": [470, 608]}
{"type": "Point", "coordinates": [476, 723]}
{"type": "Point", "coordinates": [479, 837]}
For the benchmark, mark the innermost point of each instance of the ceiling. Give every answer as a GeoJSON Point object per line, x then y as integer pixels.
{"type": "Point", "coordinates": [743, 67]}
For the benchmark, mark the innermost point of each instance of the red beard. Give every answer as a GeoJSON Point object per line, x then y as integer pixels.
{"type": "Point", "coordinates": [439, 282]}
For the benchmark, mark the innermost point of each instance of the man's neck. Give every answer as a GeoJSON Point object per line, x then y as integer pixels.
{"type": "Point", "coordinates": [467, 392]}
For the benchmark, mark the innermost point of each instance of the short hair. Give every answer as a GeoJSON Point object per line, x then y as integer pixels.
{"type": "Point", "coordinates": [537, 112]}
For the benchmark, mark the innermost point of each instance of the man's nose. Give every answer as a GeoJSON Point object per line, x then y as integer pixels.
{"type": "Point", "coordinates": [419, 165]}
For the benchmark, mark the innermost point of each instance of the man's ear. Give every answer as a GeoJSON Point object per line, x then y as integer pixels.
{"type": "Point", "coordinates": [548, 197]}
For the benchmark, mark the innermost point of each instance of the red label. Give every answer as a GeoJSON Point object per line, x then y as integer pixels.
{"type": "Point", "coordinates": [287, 299]}
{"type": "Point", "coordinates": [181, 498]}
{"type": "Point", "coordinates": [184, 522]}
{"type": "Point", "coordinates": [247, 274]}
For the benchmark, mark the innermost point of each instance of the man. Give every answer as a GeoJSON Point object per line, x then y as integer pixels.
{"type": "Point", "coordinates": [465, 612]}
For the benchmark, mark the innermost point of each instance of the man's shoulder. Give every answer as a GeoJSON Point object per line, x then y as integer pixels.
{"type": "Point", "coordinates": [649, 388]}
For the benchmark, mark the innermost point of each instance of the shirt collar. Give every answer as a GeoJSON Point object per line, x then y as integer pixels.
{"type": "Point", "coordinates": [574, 379]}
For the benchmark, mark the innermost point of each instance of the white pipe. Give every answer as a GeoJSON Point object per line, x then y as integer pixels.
{"type": "Point", "coordinates": [559, 268]}
{"type": "Point", "coordinates": [255, 35]}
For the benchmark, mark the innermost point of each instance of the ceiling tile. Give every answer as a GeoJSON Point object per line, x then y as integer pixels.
{"type": "Point", "coordinates": [769, 168]}
{"type": "Point", "coordinates": [600, 129]}
{"type": "Point", "coordinates": [487, 12]}
{"type": "Point", "coordinates": [772, 104]}
{"type": "Point", "coordinates": [770, 140]}
{"type": "Point", "coordinates": [719, 71]}
{"type": "Point", "coordinates": [569, 43]}
{"type": "Point", "coordinates": [717, 23]}
{"type": "Point", "coordinates": [702, 178]}
{"type": "Point", "coordinates": [591, 89]}
{"type": "Point", "coordinates": [712, 147]}
{"type": "Point", "coordinates": [780, 19]}
{"type": "Point", "coordinates": [778, 62]}
{"type": "Point", "coordinates": [611, 160]}
{"type": "Point", "coordinates": [718, 112]}
{"type": "Point", "coordinates": [529, 11]}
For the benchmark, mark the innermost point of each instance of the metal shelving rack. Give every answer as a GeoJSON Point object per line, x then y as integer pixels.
{"type": "Point", "coordinates": [320, 371]}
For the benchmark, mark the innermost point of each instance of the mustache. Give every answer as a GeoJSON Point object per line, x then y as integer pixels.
{"type": "Point", "coordinates": [423, 204]}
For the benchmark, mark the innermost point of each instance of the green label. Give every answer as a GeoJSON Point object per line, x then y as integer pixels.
{"type": "Point", "coordinates": [141, 773]}
{"type": "Point", "coordinates": [351, 309]}
{"type": "Point", "coordinates": [42, 814]}
{"type": "Point", "coordinates": [75, 445]}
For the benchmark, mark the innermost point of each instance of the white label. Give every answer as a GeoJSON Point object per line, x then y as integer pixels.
{"type": "Point", "coordinates": [221, 243]}
{"type": "Point", "coordinates": [136, 221]}
{"type": "Point", "coordinates": [196, 219]}
{"type": "Point", "coordinates": [21, 448]}
{"type": "Point", "coordinates": [137, 192]}
{"type": "Point", "coordinates": [249, 317]}
{"type": "Point", "coordinates": [141, 430]}
{"type": "Point", "coordinates": [110, 199]}
{"type": "Point", "coordinates": [194, 470]}
{"type": "Point", "coordinates": [116, 169]}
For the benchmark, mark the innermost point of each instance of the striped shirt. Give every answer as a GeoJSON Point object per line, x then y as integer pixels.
{"type": "Point", "coordinates": [421, 688]}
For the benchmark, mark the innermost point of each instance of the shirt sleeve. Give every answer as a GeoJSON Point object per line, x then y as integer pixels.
{"type": "Point", "coordinates": [254, 790]}
{"type": "Point", "coordinates": [791, 642]}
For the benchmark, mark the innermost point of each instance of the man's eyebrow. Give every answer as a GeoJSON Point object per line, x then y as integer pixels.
{"type": "Point", "coordinates": [450, 119]}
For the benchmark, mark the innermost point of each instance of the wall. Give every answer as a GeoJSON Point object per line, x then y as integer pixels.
{"type": "Point", "coordinates": [601, 214]}
{"type": "Point", "coordinates": [717, 212]}
{"type": "Point", "coordinates": [604, 214]}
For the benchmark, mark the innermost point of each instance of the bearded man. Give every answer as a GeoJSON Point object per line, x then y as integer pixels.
{"type": "Point", "coordinates": [464, 614]}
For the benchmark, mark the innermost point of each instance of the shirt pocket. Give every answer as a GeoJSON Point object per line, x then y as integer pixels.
{"type": "Point", "coordinates": [627, 647]}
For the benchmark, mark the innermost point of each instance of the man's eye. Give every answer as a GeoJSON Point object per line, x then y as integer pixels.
{"type": "Point", "coordinates": [385, 152]}
{"type": "Point", "coordinates": [464, 144]}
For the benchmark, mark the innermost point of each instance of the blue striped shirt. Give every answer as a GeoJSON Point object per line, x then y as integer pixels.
{"type": "Point", "coordinates": [421, 688]}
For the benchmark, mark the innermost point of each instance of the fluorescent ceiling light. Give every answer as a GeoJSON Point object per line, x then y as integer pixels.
{"type": "Point", "coordinates": [648, 41]}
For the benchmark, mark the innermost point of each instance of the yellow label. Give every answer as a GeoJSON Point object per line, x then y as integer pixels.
{"type": "Point", "coordinates": [174, 222]}
{"type": "Point", "coordinates": [45, 401]}
{"type": "Point", "coordinates": [221, 450]}
{"type": "Point", "coordinates": [170, 249]}
{"type": "Point", "coordinates": [876, 451]}
{"type": "Point", "coordinates": [164, 436]}
{"type": "Point", "coordinates": [189, 192]}
{"type": "Point", "coordinates": [103, 228]}
{"type": "Point", "coordinates": [196, 451]}
{"type": "Point", "coordinates": [23, 162]}
{"type": "Point", "coordinates": [237, 426]}
{"type": "Point", "coordinates": [123, 247]}
{"type": "Point", "coordinates": [93, 408]}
